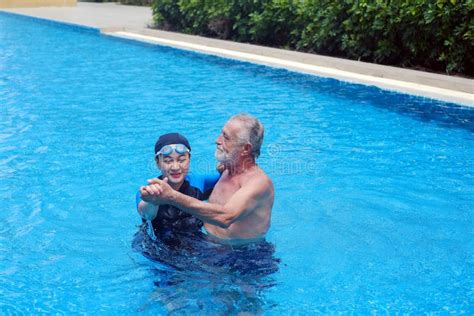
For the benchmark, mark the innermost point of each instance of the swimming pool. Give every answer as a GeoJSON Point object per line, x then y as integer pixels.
{"type": "Point", "coordinates": [374, 189]}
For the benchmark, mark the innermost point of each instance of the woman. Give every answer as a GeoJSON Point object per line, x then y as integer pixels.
{"type": "Point", "coordinates": [166, 222]}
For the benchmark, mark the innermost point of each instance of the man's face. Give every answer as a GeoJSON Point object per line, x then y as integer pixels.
{"type": "Point", "coordinates": [228, 148]}
{"type": "Point", "coordinates": [174, 166]}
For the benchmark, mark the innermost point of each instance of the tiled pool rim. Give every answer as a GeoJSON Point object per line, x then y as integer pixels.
{"type": "Point", "coordinates": [208, 46]}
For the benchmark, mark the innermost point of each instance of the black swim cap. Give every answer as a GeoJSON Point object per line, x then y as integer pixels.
{"type": "Point", "coordinates": [171, 138]}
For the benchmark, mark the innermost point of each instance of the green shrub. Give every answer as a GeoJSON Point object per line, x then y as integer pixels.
{"type": "Point", "coordinates": [321, 26]}
{"type": "Point", "coordinates": [276, 24]}
{"type": "Point", "coordinates": [167, 15]}
{"type": "Point", "coordinates": [432, 34]}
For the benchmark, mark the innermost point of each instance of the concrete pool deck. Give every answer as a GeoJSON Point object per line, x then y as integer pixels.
{"type": "Point", "coordinates": [131, 22]}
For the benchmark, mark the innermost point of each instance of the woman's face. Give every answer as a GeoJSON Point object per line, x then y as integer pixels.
{"type": "Point", "coordinates": [174, 166]}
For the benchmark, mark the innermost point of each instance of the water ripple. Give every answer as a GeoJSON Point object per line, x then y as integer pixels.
{"type": "Point", "coordinates": [374, 190]}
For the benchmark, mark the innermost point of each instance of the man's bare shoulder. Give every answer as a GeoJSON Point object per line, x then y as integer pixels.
{"type": "Point", "coordinates": [258, 180]}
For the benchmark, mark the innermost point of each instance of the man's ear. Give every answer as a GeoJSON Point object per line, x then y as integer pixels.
{"type": "Point", "coordinates": [157, 160]}
{"type": "Point", "coordinates": [247, 150]}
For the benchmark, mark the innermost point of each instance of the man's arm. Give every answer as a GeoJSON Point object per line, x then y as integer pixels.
{"type": "Point", "coordinates": [242, 203]}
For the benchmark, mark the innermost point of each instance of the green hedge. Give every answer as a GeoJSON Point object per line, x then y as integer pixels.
{"type": "Point", "coordinates": [430, 34]}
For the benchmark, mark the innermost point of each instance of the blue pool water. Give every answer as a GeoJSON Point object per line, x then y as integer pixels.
{"type": "Point", "coordinates": [374, 190]}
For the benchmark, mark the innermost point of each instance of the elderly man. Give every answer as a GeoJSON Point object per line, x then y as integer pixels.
{"type": "Point", "coordinates": [240, 205]}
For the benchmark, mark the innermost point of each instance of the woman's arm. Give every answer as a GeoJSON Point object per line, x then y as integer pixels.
{"type": "Point", "coordinates": [146, 209]}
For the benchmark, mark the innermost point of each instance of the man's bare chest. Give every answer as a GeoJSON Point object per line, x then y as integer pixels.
{"type": "Point", "coordinates": [224, 190]}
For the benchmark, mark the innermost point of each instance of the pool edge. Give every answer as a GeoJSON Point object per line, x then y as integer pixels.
{"type": "Point", "coordinates": [405, 87]}
{"type": "Point", "coordinates": [429, 92]}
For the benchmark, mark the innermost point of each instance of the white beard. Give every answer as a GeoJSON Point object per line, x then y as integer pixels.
{"type": "Point", "coordinates": [223, 157]}
{"type": "Point", "coordinates": [220, 155]}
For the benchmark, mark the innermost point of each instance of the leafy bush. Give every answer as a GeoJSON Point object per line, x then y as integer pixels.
{"type": "Point", "coordinates": [432, 34]}
{"type": "Point", "coordinates": [276, 24]}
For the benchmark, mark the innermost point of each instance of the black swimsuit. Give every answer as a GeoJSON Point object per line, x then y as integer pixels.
{"type": "Point", "coordinates": [170, 221]}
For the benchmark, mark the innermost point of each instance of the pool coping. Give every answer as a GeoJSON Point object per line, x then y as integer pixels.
{"type": "Point", "coordinates": [408, 87]}
{"type": "Point", "coordinates": [423, 84]}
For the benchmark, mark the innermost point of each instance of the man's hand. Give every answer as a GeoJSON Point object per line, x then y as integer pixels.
{"type": "Point", "coordinates": [163, 193]}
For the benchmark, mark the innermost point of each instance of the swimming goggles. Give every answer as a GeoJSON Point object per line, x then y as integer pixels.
{"type": "Point", "coordinates": [168, 150]}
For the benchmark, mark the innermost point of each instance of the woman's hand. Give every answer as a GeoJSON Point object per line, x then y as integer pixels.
{"type": "Point", "coordinates": [160, 191]}
{"type": "Point", "coordinates": [148, 194]}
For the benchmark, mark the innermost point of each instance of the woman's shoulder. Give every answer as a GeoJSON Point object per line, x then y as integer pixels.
{"type": "Point", "coordinates": [203, 181]}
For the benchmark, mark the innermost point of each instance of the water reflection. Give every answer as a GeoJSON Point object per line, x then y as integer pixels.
{"type": "Point", "coordinates": [196, 275]}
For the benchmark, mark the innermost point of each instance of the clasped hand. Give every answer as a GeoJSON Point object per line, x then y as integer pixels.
{"type": "Point", "coordinates": [157, 191]}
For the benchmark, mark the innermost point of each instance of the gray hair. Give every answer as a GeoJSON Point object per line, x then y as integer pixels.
{"type": "Point", "coordinates": [252, 133]}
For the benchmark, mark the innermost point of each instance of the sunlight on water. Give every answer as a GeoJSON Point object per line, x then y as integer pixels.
{"type": "Point", "coordinates": [374, 189]}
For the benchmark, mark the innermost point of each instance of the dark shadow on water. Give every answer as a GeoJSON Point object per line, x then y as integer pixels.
{"type": "Point", "coordinates": [426, 110]}
{"type": "Point", "coordinates": [430, 111]}
{"type": "Point", "coordinates": [445, 114]}
{"type": "Point", "coordinates": [198, 276]}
